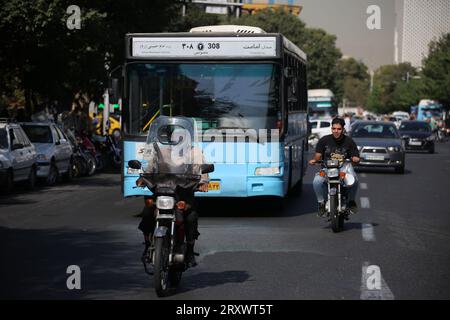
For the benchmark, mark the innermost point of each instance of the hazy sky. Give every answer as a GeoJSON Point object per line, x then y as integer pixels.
{"type": "Point", "coordinates": [347, 20]}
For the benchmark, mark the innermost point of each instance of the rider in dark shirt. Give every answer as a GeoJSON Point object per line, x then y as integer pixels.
{"type": "Point", "coordinates": [336, 146]}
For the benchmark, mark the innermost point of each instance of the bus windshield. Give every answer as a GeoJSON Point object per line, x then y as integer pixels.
{"type": "Point", "coordinates": [221, 95]}
{"type": "Point", "coordinates": [318, 109]}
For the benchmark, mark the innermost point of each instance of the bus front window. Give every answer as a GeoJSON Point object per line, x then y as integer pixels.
{"type": "Point", "coordinates": [224, 95]}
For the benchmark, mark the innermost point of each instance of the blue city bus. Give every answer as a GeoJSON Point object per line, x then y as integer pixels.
{"type": "Point", "coordinates": [246, 92]}
{"type": "Point", "coordinates": [321, 104]}
{"type": "Point", "coordinates": [429, 109]}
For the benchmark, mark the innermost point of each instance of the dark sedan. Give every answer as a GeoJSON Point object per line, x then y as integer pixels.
{"type": "Point", "coordinates": [379, 145]}
{"type": "Point", "coordinates": [417, 135]}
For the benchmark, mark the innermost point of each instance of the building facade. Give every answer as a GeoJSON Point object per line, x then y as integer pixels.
{"type": "Point", "coordinates": [417, 23]}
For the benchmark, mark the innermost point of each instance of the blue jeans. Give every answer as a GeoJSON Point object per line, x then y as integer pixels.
{"type": "Point", "coordinates": [321, 188]}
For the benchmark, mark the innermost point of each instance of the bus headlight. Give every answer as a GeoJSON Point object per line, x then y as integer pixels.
{"type": "Point", "coordinates": [165, 203]}
{"type": "Point", "coordinates": [267, 171]}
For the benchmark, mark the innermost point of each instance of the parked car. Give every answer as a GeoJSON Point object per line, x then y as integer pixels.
{"type": "Point", "coordinates": [17, 157]}
{"type": "Point", "coordinates": [319, 128]}
{"type": "Point", "coordinates": [417, 135]}
{"type": "Point", "coordinates": [54, 151]}
{"type": "Point", "coordinates": [379, 145]}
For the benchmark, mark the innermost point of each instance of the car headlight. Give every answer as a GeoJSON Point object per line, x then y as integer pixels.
{"type": "Point", "coordinates": [267, 171]}
{"type": "Point", "coordinates": [41, 157]}
{"type": "Point", "coordinates": [165, 203]}
{"type": "Point", "coordinates": [394, 149]}
{"type": "Point", "coordinates": [431, 138]}
{"type": "Point", "coordinates": [333, 173]}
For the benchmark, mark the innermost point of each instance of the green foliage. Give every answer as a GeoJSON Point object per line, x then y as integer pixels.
{"type": "Point", "coordinates": [50, 62]}
{"type": "Point", "coordinates": [353, 81]}
{"type": "Point", "coordinates": [436, 70]}
{"type": "Point", "coordinates": [195, 17]}
{"type": "Point", "coordinates": [397, 88]}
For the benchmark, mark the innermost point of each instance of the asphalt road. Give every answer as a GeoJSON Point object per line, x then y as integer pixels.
{"type": "Point", "coordinates": [397, 247]}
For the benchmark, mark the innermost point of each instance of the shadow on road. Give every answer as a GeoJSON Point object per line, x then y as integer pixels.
{"type": "Point", "coordinates": [297, 203]}
{"type": "Point", "coordinates": [33, 263]}
{"type": "Point", "coordinates": [211, 279]}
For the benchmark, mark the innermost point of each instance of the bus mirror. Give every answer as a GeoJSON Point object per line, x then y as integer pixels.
{"type": "Point", "coordinates": [114, 90]}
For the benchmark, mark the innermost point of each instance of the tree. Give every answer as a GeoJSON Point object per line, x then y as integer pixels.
{"type": "Point", "coordinates": [353, 81]}
{"type": "Point", "coordinates": [48, 61]}
{"type": "Point", "coordinates": [436, 70]}
{"type": "Point", "coordinates": [195, 17]}
{"type": "Point", "coordinates": [391, 82]}
{"type": "Point", "coordinates": [316, 43]}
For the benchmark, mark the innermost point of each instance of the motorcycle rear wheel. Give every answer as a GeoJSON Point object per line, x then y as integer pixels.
{"type": "Point", "coordinates": [161, 274]}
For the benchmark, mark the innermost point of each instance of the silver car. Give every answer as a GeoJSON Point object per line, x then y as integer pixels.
{"type": "Point", "coordinates": [379, 145]}
{"type": "Point", "coordinates": [17, 157]}
{"type": "Point", "coordinates": [54, 151]}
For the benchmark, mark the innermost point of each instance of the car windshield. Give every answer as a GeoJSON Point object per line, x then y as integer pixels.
{"type": "Point", "coordinates": [38, 134]}
{"type": "Point", "coordinates": [415, 126]}
{"type": "Point", "coordinates": [3, 139]}
{"type": "Point", "coordinates": [385, 131]}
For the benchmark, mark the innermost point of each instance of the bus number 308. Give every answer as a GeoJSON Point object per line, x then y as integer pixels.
{"type": "Point", "coordinates": [213, 46]}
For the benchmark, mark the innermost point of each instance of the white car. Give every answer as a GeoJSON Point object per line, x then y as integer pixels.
{"type": "Point", "coordinates": [54, 151]}
{"type": "Point", "coordinates": [319, 128]}
{"type": "Point", "coordinates": [17, 157]}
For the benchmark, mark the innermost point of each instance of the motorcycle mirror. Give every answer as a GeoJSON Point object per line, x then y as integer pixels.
{"type": "Point", "coordinates": [207, 168]}
{"type": "Point", "coordinates": [134, 164]}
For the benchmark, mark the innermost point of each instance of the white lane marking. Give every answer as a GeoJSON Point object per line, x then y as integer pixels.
{"type": "Point", "coordinates": [365, 203]}
{"type": "Point", "coordinates": [373, 286]}
{"type": "Point", "coordinates": [363, 186]}
{"type": "Point", "coordinates": [368, 232]}
{"type": "Point", "coordinates": [363, 175]}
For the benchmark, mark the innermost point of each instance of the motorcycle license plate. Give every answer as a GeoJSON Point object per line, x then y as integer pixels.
{"type": "Point", "coordinates": [374, 157]}
{"type": "Point", "coordinates": [214, 186]}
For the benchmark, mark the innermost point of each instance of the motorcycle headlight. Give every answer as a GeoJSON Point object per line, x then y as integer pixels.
{"type": "Point", "coordinates": [394, 149]}
{"type": "Point", "coordinates": [333, 173]}
{"type": "Point", "coordinates": [41, 157]}
{"type": "Point", "coordinates": [165, 203]}
{"type": "Point", "coordinates": [268, 171]}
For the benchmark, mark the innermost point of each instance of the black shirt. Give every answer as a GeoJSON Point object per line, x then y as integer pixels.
{"type": "Point", "coordinates": [331, 148]}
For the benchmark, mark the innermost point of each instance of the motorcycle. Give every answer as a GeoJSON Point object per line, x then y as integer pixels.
{"type": "Point", "coordinates": [337, 180]}
{"type": "Point", "coordinates": [169, 181]}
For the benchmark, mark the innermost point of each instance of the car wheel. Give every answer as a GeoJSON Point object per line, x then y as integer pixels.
{"type": "Point", "coordinates": [32, 179]}
{"type": "Point", "coordinates": [400, 170]}
{"type": "Point", "coordinates": [70, 172]}
{"type": "Point", "coordinates": [52, 177]}
{"type": "Point", "coordinates": [9, 182]}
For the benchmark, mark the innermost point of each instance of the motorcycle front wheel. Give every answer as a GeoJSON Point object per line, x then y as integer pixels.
{"type": "Point", "coordinates": [337, 220]}
{"type": "Point", "coordinates": [162, 266]}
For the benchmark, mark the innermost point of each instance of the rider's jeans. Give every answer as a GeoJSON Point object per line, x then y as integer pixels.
{"type": "Point", "coordinates": [321, 188]}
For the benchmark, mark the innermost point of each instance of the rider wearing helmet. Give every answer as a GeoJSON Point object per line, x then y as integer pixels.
{"type": "Point", "coordinates": [175, 152]}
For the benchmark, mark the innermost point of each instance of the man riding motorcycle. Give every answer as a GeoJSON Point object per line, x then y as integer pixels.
{"type": "Point", "coordinates": [336, 146]}
{"type": "Point", "coordinates": [174, 154]}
